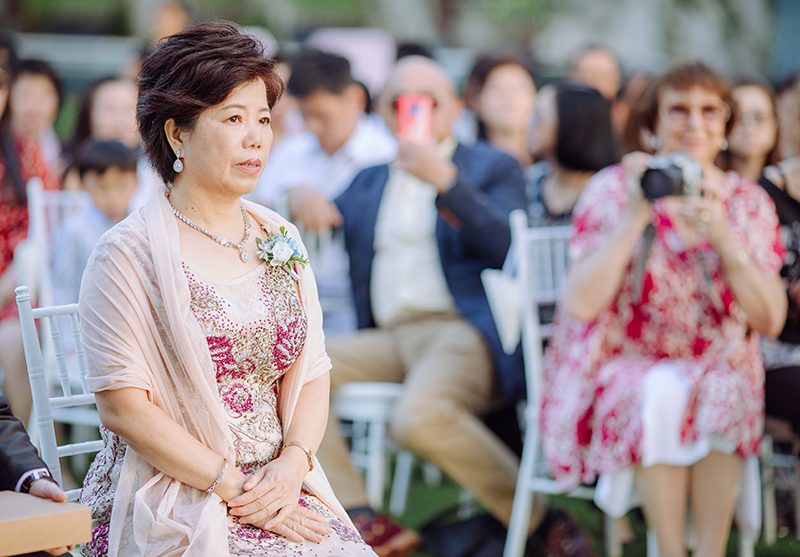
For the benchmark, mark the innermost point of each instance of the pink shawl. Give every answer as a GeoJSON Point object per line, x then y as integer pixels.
{"type": "Point", "coordinates": [139, 332]}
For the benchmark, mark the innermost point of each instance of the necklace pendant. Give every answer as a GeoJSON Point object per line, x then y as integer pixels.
{"type": "Point", "coordinates": [244, 256]}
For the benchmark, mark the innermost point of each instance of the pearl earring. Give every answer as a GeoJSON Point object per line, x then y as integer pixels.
{"type": "Point", "coordinates": [723, 144]}
{"type": "Point", "coordinates": [177, 166]}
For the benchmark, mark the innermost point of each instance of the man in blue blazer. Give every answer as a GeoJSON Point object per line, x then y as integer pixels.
{"type": "Point", "coordinates": [418, 232]}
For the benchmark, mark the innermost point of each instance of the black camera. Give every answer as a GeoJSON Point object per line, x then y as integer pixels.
{"type": "Point", "coordinates": [676, 174]}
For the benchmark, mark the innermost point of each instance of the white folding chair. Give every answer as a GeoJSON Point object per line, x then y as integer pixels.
{"type": "Point", "coordinates": [540, 255]}
{"type": "Point", "coordinates": [64, 406]}
{"type": "Point", "coordinates": [47, 210]}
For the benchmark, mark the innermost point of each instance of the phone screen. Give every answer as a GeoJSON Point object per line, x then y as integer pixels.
{"type": "Point", "coordinates": [415, 118]}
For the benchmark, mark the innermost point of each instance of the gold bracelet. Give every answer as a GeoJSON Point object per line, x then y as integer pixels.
{"type": "Point", "coordinates": [309, 454]}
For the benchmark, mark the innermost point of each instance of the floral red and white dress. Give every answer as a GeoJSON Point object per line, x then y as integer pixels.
{"type": "Point", "coordinates": [592, 400]}
{"type": "Point", "coordinates": [14, 216]}
{"type": "Point", "coordinates": [255, 328]}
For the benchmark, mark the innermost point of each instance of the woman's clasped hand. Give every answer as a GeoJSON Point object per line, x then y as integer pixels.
{"type": "Point", "coordinates": [269, 500]}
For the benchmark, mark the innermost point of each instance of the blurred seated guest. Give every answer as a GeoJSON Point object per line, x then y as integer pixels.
{"type": "Point", "coordinates": [501, 91]}
{"type": "Point", "coordinates": [308, 170]}
{"type": "Point", "coordinates": [597, 67]}
{"type": "Point", "coordinates": [22, 470]}
{"type": "Point", "coordinates": [418, 233]}
{"type": "Point", "coordinates": [206, 356]}
{"type": "Point", "coordinates": [169, 17]}
{"type": "Point", "coordinates": [20, 160]}
{"type": "Point", "coordinates": [35, 100]}
{"type": "Point", "coordinates": [653, 374]}
{"type": "Point", "coordinates": [108, 113]}
{"type": "Point", "coordinates": [107, 170]}
{"type": "Point", "coordinates": [753, 139]}
{"type": "Point", "coordinates": [782, 355]}
{"type": "Point", "coordinates": [788, 109]}
{"type": "Point", "coordinates": [573, 136]}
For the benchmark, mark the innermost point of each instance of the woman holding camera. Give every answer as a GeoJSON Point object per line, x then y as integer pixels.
{"type": "Point", "coordinates": [658, 331]}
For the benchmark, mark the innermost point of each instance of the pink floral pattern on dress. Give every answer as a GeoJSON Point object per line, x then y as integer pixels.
{"type": "Point", "coordinates": [591, 408]}
{"type": "Point", "coordinates": [249, 358]}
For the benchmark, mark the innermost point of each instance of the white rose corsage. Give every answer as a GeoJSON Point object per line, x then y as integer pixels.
{"type": "Point", "coordinates": [279, 250]}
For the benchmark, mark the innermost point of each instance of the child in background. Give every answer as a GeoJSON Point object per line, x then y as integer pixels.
{"type": "Point", "coordinates": [107, 170]}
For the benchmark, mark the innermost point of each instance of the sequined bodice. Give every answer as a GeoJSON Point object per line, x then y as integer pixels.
{"type": "Point", "coordinates": [255, 327]}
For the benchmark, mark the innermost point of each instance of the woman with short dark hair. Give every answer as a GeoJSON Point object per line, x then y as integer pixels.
{"type": "Point", "coordinates": [573, 136]}
{"type": "Point", "coordinates": [203, 332]}
{"type": "Point", "coordinates": [653, 374]}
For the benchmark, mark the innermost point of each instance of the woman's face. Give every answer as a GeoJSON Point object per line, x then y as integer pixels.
{"type": "Point", "coordinates": [544, 124]}
{"type": "Point", "coordinates": [692, 121]}
{"type": "Point", "coordinates": [34, 101]}
{"type": "Point", "coordinates": [226, 150]}
{"type": "Point", "coordinates": [507, 98]}
{"type": "Point", "coordinates": [756, 129]}
{"type": "Point", "coordinates": [113, 115]}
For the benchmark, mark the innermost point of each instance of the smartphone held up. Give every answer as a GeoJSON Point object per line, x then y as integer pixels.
{"type": "Point", "coordinates": [414, 112]}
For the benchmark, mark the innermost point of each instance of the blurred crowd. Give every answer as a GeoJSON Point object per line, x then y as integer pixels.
{"type": "Point", "coordinates": [330, 126]}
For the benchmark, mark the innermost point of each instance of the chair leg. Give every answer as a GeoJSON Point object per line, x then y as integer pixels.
{"type": "Point", "coordinates": [770, 526]}
{"type": "Point", "coordinates": [613, 542]}
{"type": "Point", "coordinates": [523, 496]}
{"type": "Point", "coordinates": [797, 498]}
{"type": "Point", "coordinates": [376, 464]}
{"type": "Point", "coordinates": [400, 483]}
{"type": "Point", "coordinates": [652, 543]}
{"type": "Point", "coordinates": [746, 547]}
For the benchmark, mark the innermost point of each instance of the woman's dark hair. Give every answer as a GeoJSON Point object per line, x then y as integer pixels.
{"type": "Point", "coordinates": [585, 138]}
{"type": "Point", "coordinates": [190, 72]}
{"type": "Point", "coordinates": [83, 125]}
{"type": "Point", "coordinates": [682, 77]}
{"type": "Point", "coordinates": [314, 70]}
{"type": "Point", "coordinates": [99, 156]}
{"type": "Point", "coordinates": [479, 75]}
{"type": "Point", "coordinates": [13, 183]}
{"type": "Point", "coordinates": [43, 69]}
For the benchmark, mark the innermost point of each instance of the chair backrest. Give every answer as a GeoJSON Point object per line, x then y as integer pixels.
{"type": "Point", "coordinates": [68, 375]}
{"type": "Point", "coordinates": [47, 210]}
{"type": "Point", "coordinates": [541, 261]}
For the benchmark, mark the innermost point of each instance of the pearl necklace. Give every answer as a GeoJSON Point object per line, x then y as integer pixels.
{"type": "Point", "coordinates": [243, 255]}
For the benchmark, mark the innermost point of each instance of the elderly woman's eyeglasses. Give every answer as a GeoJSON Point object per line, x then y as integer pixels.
{"type": "Point", "coordinates": [679, 113]}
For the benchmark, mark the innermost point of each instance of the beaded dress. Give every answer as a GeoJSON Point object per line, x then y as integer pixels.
{"type": "Point", "coordinates": [255, 328]}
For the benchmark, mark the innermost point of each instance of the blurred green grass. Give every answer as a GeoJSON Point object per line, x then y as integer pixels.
{"type": "Point", "coordinates": [425, 502]}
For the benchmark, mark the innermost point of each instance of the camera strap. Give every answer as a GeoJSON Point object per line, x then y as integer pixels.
{"type": "Point", "coordinates": [638, 277]}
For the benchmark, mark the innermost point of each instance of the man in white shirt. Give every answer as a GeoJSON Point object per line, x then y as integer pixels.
{"type": "Point", "coordinates": [305, 172]}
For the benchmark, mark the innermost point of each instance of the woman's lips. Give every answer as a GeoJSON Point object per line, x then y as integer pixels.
{"type": "Point", "coordinates": [252, 166]}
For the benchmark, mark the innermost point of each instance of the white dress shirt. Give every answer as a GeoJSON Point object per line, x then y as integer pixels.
{"type": "Point", "coordinates": [299, 160]}
{"type": "Point", "coordinates": [407, 276]}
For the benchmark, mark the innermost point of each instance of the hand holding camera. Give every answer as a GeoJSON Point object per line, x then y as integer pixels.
{"type": "Point", "coordinates": [690, 193]}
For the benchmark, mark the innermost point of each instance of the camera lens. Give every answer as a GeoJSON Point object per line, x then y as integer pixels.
{"type": "Point", "coordinates": [660, 182]}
